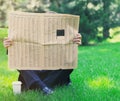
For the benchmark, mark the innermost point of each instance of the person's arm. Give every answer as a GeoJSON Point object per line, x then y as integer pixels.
{"type": "Point", "coordinates": [77, 39]}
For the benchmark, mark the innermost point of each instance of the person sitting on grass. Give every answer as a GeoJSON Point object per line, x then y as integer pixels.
{"type": "Point", "coordinates": [43, 80]}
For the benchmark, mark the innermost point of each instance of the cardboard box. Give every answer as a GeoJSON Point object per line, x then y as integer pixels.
{"type": "Point", "coordinates": [42, 41]}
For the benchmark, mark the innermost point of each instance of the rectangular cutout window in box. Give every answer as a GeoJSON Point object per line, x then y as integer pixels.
{"type": "Point", "coordinates": [61, 32]}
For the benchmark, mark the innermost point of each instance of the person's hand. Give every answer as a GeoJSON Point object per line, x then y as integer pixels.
{"type": "Point", "coordinates": [7, 42]}
{"type": "Point", "coordinates": [77, 39]}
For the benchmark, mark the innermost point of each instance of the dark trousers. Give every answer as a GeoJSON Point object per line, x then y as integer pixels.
{"type": "Point", "coordinates": [50, 78]}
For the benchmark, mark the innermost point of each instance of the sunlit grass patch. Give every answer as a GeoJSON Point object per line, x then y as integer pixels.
{"type": "Point", "coordinates": [101, 82]}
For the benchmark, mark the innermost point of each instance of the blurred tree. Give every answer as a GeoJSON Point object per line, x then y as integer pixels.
{"type": "Point", "coordinates": [4, 7]}
{"type": "Point", "coordinates": [21, 5]}
{"type": "Point", "coordinates": [95, 15]}
{"type": "Point", "coordinates": [109, 18]}
{"type": "Point", "coordinates": [34, 5]}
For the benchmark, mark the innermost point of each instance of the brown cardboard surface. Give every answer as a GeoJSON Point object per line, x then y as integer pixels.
{"type": "Point", "coordinates": [36, 45]}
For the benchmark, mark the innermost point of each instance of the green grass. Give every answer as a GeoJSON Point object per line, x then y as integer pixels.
{"type": "Point", "coordinates": [97, 77]}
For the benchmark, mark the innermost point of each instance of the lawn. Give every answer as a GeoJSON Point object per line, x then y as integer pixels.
{"type": "Point", "coordinates": [97, 77]}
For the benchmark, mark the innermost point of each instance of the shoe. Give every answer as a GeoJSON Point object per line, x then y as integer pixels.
{"type": "Point", "coordinates": [69, 84]}
{"type": "Point", "coordinates": [47, 91]}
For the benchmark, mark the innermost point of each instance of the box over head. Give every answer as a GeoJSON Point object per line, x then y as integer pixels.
{"type": "Point", "coordinates": [42, 41]}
